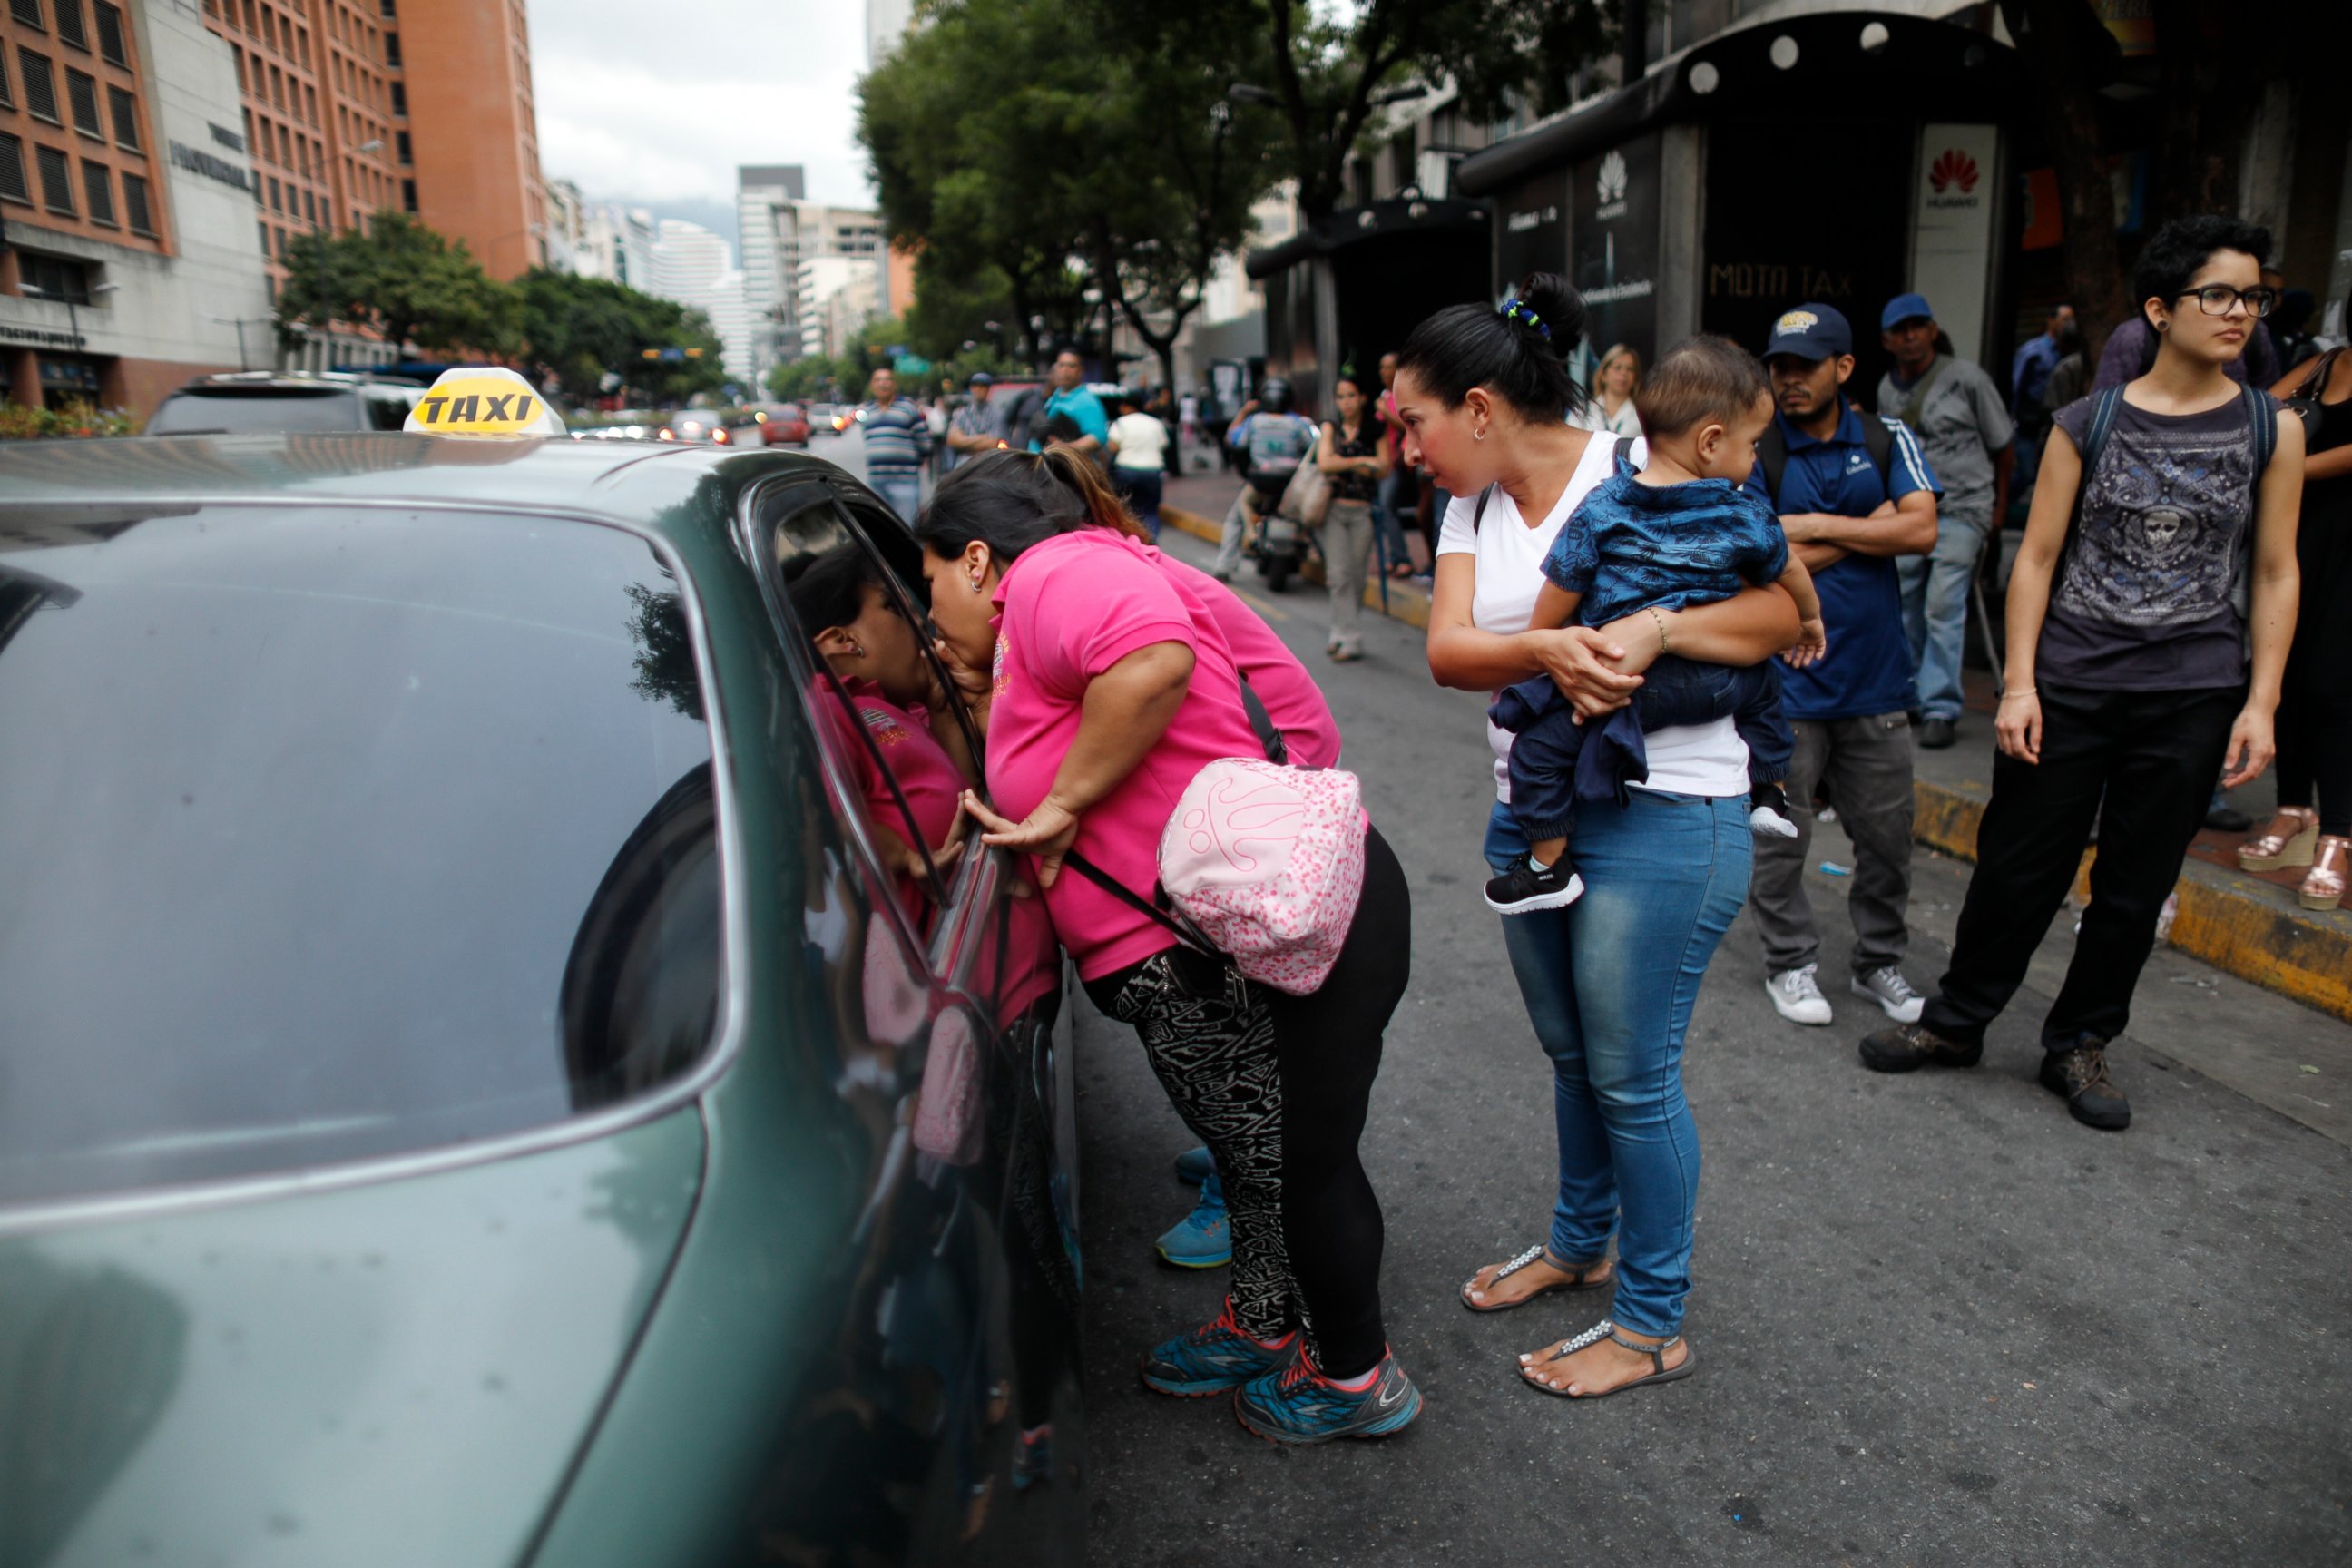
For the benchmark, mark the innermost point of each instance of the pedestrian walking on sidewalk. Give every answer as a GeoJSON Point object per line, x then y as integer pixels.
{"type": "Point", "coordinates": [1110, 687]}
{"type": "Point", "coordinates": [2149, 616]}
{"type": "Point", "coordinates": [2314, 713]}
{"type": "Point", "coordinates": [977, 428]}
{"type": "Point", "coordinates": [1355, 460]}
{"type": "Point", "coordinates": [1138, 448]}
{"type": "Point", "coordinates": [1609, 982]}
{"type": "Point", "coordinates": [1952, 405]}
{"type": "Point", "coordinates": [897, 438]}
{"type": "Point", "coordinates": [1855, 493]}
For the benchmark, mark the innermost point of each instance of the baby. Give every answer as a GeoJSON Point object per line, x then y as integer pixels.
{"type": "Point", "coordinates": [1680, 532]}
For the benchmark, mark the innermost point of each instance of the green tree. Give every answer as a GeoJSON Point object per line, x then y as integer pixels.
{"type": "Point", "coordinates": [1325, 71]}
{"type": "Point", "coordinates": [581, 330]}
{"type": "Point", "coordinates": [406, 281]}
{"type": "Point", "coordinates": [803, 380]}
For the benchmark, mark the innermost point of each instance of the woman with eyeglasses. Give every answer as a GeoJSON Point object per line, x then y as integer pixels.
{"type": "Point", "coordinates": [2148, 619]}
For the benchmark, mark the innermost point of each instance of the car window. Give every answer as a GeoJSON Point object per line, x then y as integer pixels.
{"type": "Point", "coordinates": [882, 758]}
{"type": "Point", "coordinates": [349, 832]}
{"type": "Point", "coordinates": [243, 410]}
{"type": "Point", "coordinates": [387, 410]}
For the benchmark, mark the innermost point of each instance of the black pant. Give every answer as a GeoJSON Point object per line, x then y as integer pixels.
{"type": "Point", "coordinates": [1278, 1088]}
{"type": "Point", "coordinates": [2152, 757]}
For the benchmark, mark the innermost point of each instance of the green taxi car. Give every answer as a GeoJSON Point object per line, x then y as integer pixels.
{"type": "Point", "coordinates": [468, 1092]}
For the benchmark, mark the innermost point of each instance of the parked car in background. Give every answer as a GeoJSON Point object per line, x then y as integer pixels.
{"type": "Point", "coordinates": [475, 1093]}
{"type": "Point", "coordinates": [268, 400]}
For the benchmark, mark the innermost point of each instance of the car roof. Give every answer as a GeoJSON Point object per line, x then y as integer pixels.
{"type": "Point", "coordinates": [643, 484]}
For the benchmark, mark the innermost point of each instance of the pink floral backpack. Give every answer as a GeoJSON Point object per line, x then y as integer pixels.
{"type": "Point", "coordinates": [1261, 862]}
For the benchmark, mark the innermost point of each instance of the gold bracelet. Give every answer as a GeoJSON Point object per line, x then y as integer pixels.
{"type": "Point", "coordinates": [1655, 616]}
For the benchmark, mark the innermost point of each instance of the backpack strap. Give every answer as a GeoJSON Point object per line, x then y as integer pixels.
{"type": "Point", "coordinates": [2261, 423]}
{"type": "Point", "coordinates": [1624, 453]}
{"type": "Point", "coordinates": [1772, 453]}
{"type": "Point", "coordinates": [1128, 896]}
{"type": "Point", "coordinates": [1278, 750]}
{"type": "Point", "coordinates": [1478, 512]}
{"type": "Point", "coordinates": [1879, 442]}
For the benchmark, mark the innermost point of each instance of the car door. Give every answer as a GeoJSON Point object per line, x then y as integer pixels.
{"type": "Point", "coordinates": [969, 1323]}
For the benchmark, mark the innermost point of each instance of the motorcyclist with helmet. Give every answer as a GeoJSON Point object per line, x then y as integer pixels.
{"type": "Point", "coordinates": [1273, 439]}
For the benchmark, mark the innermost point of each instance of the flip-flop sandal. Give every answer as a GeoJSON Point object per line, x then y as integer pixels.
{"type": "Point", "coordinates": [1603, 1329]}
{"type": "Point", "coordinates": [1579, 1279]}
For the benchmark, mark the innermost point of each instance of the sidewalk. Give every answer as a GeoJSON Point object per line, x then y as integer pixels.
{"type": "Point", "coordinates": [2241, 922]}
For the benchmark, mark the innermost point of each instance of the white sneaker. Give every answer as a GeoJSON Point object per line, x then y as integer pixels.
{"type": "Point", "coordinates": [1797, 996]}
{"type": "Point", "coordinates": [1888, 988]}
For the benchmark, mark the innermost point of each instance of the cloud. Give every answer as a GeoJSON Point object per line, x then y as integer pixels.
{"type": "Point", "coordinates": [667, 103]}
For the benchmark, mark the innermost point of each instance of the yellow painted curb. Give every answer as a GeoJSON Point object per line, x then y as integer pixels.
{"type": "Point", "coordinates": [2250, 929]}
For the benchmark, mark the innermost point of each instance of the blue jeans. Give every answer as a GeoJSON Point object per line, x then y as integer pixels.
{"type": "Point", "coordinates": [1608, 983]}
{"type": "Point", "coordinates": [1140, 489]}
{"type": "Point", "coordinates": [1934, 590]}
{"type": "Point", "coordinates": [904, 491]}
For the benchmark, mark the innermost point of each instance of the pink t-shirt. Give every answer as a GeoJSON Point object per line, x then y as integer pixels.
{"type": "Point", "coordinates": [1292, 699]}
{"type": "Point", "coordinates": [1069, 609]}
{"type": "Point", "coordinates": [919, 764]}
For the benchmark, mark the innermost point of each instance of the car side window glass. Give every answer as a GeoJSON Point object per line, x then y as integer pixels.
{"type": "Point", "coordinates": [883, 765]}
{"type": "Point", "coordinates": [903, 560]}
{"type": "Point", "coordinates": [385, 412]}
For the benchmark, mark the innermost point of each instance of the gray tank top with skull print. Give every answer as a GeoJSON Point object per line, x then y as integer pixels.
{"type": "Point", "coordinates": [2143, 602]}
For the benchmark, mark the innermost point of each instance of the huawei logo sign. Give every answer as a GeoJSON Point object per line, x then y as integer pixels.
{"type": "Point", "coordinates": [1954, 168]}
{"type": "Point", "coordinates": [1611, 180]}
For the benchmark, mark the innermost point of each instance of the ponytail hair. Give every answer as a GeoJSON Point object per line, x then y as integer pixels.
{"type": "Point", "coordinates": [1011, 501]}
{"type": "Point", "coordinates": [1519, 350]}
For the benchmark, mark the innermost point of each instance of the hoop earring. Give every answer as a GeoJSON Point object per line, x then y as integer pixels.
{"type": "Point", "coordinates": [975, 585]}
{"type": "Point", "coordinates": [1479, 434]}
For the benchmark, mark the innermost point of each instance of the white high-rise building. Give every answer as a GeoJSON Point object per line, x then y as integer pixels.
{"type": "Point", "coordinates": [696, 268]}
{"type": "Point", "coordinates": [799, 257]}
{"type": "Point", "coordinates": [887, 22]}
{"type": "Point", "coordinates": [618, 245]}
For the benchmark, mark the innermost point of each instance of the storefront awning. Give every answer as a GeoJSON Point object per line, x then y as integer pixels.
{"type": "Point", "coordinates": [1860, 65]}
{"type": "Point", "coordinates": [1389, 219]}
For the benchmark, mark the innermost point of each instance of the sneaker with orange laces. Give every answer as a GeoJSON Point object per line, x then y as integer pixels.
{"type": "Point", "coordinates": [1300, 1405]}
{"type": "Point", "coordinates": [1218, 1355]}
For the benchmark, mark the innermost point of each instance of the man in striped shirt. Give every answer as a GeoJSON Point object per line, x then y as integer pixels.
{"type": "Point", "coordinates": [897, 438]}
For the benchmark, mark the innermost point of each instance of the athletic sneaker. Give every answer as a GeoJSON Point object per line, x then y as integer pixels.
{"type": "Point", "coordinates": [1203, 1238]}
{"type": "Point", "coordinates": [1195, 1165]}
{"type": "Point", "coordinates": [1215, 1357]}
{"type": "Point", "coordinates": [1797, 996]}
{"type": "Point", "coordinates": [1767, 813]}
{"type": "Point", "coordinates": [1888, 988]}
{"type": "Point", "coordinates": [1523, 888]}
{"type": "Point", "coordinates": [1300, 1405]}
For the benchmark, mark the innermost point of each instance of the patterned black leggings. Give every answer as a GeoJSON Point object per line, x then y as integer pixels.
{"type": "Point", "coordinates": [1278, 1088]}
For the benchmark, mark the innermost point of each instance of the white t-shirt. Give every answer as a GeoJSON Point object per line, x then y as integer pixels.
{"type": "Point", "coordinates": [1142, 440]}
{"type": "Point", "coordinates": [1685, 759]}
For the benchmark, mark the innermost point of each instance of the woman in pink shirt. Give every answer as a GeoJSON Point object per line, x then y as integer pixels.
{"type": "Point", "coordinates": [1110, 687]}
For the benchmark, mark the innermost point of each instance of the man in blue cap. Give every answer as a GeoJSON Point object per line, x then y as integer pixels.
{"type": "Point", "coordinates": [1853, 493]}
{"type": "Point", "coordinates": [1952, 405]}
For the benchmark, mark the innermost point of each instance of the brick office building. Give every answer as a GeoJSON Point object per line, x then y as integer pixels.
{"type": "Point", "coordinates": [128, 257]}
{"type": "Point", "coordinates": [354, 107]}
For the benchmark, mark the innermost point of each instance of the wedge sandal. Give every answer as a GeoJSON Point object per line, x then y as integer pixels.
{"type": "Point", "coordinates": [2275, 851]}
{"type": "Point", "coordinates": [1579, 1279]}
{"type": "Point", "coordinates": [1606, 1330]}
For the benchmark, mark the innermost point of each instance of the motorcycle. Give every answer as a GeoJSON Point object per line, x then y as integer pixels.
{"type": "Point", "coordinates": [1279, 543]}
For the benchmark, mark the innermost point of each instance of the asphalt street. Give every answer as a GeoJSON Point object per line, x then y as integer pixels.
{"type": "Point", "coordinates": [1937, 1320]}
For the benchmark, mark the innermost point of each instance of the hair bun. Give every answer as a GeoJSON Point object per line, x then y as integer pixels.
{"type": "Point", "coordinates": [1561, 307]}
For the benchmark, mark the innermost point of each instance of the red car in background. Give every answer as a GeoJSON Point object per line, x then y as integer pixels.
{"type": "Point", "coordinates": [783, 425]}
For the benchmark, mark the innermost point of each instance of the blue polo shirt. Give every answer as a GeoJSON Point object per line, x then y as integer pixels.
{"type": "Point", "coordinates": [1868, 669]}
{"type": "Point", "coordinates": [1083, 407]}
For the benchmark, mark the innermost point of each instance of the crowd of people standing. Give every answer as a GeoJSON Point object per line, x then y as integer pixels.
{"type": "Point", "coordinates": [1724, 592]}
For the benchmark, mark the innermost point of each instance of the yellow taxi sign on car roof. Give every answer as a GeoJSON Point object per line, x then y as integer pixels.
{"type": "Point", "coordinates": [483, 400]}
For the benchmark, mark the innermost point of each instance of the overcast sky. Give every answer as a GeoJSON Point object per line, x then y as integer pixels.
{"type": "Point", "coordinates": [659, 103]}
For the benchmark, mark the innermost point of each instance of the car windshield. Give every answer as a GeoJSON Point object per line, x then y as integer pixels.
{"type": "Point", "coordinates": [209, 411]}
{"type": "Point", "coordinates": [330, 832]}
